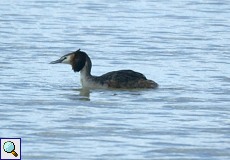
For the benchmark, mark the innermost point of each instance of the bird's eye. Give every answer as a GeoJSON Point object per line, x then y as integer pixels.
{"type": "Point", "coordinates": [63, 58]}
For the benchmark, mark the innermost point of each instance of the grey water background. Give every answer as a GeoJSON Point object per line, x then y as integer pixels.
{"type": "Point", "coordinates": [182, 45]}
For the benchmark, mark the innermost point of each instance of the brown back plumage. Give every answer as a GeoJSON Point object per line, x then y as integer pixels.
{"type": "Point", "coordinates": [125, 79]}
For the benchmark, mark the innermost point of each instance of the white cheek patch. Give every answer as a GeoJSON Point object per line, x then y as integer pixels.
{"type": "Point", "coordinates": [67, 60]}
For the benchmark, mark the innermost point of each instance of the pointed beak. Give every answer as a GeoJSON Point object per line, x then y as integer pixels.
{"type": "Point", "coordinates": [57, 61]}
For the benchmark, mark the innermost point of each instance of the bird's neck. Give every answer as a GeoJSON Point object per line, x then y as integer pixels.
{"type": "Point", "coordinates": [85, 73]}
{"type": "Point", "coordinates": [86, 70]}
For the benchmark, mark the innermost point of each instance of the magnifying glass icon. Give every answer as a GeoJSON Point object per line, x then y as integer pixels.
{"type": "Point", "coordinates": [9, 147]}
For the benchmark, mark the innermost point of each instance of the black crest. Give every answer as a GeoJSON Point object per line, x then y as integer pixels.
{"type": "Point", "coordinates": [79, 60]}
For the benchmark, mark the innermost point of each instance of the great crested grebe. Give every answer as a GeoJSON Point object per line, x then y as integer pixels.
{"type": "Point", "coordinates": [80, 61]}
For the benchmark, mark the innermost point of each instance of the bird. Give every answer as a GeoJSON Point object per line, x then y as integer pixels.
{"type": "Point", "coordinates": [121, 79]}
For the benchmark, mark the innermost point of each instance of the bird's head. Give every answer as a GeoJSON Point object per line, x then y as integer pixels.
{"type": "Point", "coordinates": [76, 59]}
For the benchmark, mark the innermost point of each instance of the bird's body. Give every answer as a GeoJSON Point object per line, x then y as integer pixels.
{"type": "Point", "coordinates": [122, 79]}
{"type": "Point", "coordinates": [80, 61]}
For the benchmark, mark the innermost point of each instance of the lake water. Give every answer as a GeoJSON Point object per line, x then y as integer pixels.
{"type": "Point", "coordinates": [182, 45]}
